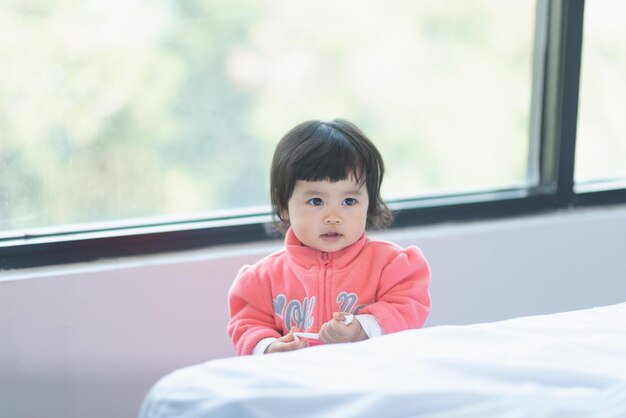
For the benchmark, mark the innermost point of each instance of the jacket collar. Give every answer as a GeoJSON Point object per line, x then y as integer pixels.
{"type": "Point", "coordinates": [309, 257]}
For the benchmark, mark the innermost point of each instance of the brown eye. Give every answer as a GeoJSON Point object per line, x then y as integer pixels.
{"type": "Point", "coordinates": [350, 201]}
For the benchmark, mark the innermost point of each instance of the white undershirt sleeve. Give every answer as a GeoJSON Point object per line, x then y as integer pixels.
{"type": "Point", "coordinates": [370, 325]}
{"type": "Point", "coordinates": [262, 345]}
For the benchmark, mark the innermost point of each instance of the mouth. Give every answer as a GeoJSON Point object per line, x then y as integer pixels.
{"type": "Point", "coordinates": [331, 236]}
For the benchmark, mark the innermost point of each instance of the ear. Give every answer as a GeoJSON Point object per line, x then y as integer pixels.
{"type": "Point", "coordinates": [284, 214]}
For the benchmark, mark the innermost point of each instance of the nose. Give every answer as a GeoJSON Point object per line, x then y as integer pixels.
{"type": "Point", "coordinates": [332, 218]}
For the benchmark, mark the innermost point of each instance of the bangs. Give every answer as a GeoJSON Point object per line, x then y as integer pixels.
{"type": "Point", "coordinates": [334, 158]}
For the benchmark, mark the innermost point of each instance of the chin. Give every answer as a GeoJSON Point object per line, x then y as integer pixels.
{"type": "Point", "coordinates": [335, 248]}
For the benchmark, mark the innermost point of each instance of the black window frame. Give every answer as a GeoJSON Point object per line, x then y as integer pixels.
{"type": "Point", "coordinates": [554, 109]}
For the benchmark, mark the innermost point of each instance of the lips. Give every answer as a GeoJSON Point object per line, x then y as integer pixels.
{"type": "Point", "coordinates": [331, 236]}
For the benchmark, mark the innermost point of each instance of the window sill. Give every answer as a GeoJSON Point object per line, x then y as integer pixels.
{"type": "Point", "coordinates": [36, 250]}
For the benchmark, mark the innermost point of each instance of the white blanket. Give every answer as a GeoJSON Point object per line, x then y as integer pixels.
{"type": "Point", "coordinates": [570, 364]}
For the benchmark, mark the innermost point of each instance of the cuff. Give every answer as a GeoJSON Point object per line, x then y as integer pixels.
{"type": "Point", "coordinates": [370, 325]}
{"type": "Point", "coordinates": [262, 345]}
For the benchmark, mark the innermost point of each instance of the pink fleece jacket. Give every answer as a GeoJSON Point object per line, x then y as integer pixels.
{"type": "Point", "coordinates": [303, 287]}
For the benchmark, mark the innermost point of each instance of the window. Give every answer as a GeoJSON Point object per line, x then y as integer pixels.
{"type": "Point", "coordinates": [127, 111]}
{"type": "Point", "coordinates": [133, 128]}
{"type": "Point", "coordinates": [601, 143]}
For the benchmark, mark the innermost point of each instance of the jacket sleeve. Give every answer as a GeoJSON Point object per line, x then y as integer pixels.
{"type": "Point", "coordinates": [402, 296]}
{"type": "Point", "coordinates": [251, 312]}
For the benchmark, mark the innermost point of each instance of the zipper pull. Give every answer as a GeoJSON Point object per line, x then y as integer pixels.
{"type": "Point", "coordinates": [325, 259]}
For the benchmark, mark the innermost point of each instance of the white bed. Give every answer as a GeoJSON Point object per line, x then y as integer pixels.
{"type": "Point", "coordinates": [570, 364]}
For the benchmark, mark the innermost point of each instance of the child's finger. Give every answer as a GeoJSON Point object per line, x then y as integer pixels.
{"type": "Point", "coordinates": [297, 344]}
{"type": "Point", "coordinates": [343, 317]}
{"type": "Point", "coordinates": [339, 316]}
{"type": "Point", "coordinates": [289, 337]}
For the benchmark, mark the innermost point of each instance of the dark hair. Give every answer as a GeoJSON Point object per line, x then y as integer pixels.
{"type": "Point", "coordinates": [318, 150]}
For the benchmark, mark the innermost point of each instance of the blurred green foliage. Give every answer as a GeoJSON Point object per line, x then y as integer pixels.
{"type": "Point", "coordinates": [125, 110]}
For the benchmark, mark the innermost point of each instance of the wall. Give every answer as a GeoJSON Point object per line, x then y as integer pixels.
{"type": "Point", "coordinates": [89, 340]}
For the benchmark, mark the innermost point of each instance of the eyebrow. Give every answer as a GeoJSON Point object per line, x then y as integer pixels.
{"type": "Point", "coordinates": [356, 192]}
{"type": "Point", "coordinates": [313, 193]}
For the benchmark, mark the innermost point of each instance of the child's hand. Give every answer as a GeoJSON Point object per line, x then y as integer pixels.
{"type": "Point", "coordinates": [335, 331]}
{"type": "Point", "coordinates": [286, 343]}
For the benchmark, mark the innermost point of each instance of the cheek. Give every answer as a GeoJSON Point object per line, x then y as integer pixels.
{"type": "Point", "coordinates": [364, 217]}
{"type": "Point", "coordinates": [359, 218]}
{"type": "Point", "coordinates": [366, 211]}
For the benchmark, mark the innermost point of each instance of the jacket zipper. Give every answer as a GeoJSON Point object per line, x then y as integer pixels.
{"type": "Point", "coordinates": [325, 286]}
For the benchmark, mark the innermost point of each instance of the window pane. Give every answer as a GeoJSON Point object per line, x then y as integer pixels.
{"type": "Point", "coordinates": [601, 139]}
{"type": "Point", "coordinates": [123, 110]}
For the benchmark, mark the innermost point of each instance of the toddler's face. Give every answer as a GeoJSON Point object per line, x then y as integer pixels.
{"type": "Point", "coordinates": [328, 216]}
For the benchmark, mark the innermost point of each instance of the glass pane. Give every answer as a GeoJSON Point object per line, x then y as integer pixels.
{"type": "Point", "coordinates": [122, 110]}
{"type": "Point", "coordinates": [601, 138]}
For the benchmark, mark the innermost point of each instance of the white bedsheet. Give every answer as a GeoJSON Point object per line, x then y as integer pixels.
{"type": "Point", "coordinates": [570, 364]}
